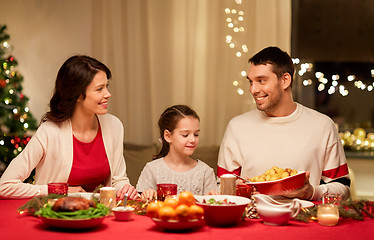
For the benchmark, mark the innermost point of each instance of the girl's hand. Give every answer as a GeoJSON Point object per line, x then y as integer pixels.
{"type": "Point", "coordinates": [149, 194]}
{"type": "Point", "coordinates": [75, 189]}
{"type": "Point", "coordinates": [212, 192]}
{"type": "Point", "coordinates": [130, 190]}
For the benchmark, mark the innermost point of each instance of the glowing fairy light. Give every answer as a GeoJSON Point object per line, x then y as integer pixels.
{"type": "Point", "coordinates": [240, 91]}
{"type": "Point", "coordinates": [235, 83]}
{"type": "Point", "coordinates": [243, 73]}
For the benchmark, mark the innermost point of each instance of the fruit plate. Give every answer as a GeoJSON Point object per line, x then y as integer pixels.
{"type": "Point", "coordinates": [73, 223]}
{"type": "Point", "coordinates": [278, 187]}
{"type": "Point", "coordinates": [174, 225]}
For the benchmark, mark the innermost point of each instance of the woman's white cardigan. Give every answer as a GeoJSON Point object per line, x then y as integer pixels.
{"type": "Point", "coordinates": [50, 151]}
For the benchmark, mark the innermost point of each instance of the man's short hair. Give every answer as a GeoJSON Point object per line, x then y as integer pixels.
{"type": "Point", "coordinates": [280, 60]}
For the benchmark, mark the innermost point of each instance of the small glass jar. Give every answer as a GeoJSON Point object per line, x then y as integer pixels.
{"type": "Point", "coordinates": [328, 214]}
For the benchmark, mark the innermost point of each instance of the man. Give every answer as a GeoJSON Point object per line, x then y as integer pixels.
{"type": "Point", "coordinates": [283, 133]}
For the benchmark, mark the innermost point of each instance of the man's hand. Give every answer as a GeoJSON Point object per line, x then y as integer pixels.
{"type": "Point", "coordinates": [304, 192]}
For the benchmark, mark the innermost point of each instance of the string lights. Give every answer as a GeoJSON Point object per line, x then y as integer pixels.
{"type": "Point", "coordinates": [333, 84]}
{"type": "Point", "coordinates": [234, 23]}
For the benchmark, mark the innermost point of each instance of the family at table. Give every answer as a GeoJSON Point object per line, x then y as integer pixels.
{"type": "Point", "coordinates": [79, 143]}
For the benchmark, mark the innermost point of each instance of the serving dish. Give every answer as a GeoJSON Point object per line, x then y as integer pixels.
{"type": "Point", "coordinates": [86, 195]}
{"type": "Point", "coordinates": [278, 187]}
{"type": "Point", "coordinates": [175, 225]}
{"type": "Point", "coordinates": [225, 214]}
{"type": "Point", "coordinates": [73, 223]}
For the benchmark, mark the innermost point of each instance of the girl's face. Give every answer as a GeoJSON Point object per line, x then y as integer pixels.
{"type": "Point", "coordinates": [185, 137]}
{"type": "Point", "coordinates": [97, 95]}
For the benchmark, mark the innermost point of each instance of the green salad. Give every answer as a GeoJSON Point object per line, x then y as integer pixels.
{"type": "Point", "coordinates": [100, 211]}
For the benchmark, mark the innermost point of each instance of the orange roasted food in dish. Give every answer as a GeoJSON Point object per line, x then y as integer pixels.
{"type": "Point", "coordinates": [181, 209]}
{"type": "Point", "coordinates": [274, 173]}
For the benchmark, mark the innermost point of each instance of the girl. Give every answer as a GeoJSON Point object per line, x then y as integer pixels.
{"type": "Point", "coordinates": [179, 130]}
{"type": "Point", "coordinates": [78, 142]}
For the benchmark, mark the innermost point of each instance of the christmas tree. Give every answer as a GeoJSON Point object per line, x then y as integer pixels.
{"type": "Point", "coordinates": [16, 121]}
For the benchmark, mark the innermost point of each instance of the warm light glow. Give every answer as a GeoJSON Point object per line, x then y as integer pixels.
{"type": "Point", "coordinates": [240, 91]}
{"type": "Point", "coordinates": [228, 20]}
{"type": "Point", "coordinates": [6, 44]}
{"type": "Point", "coordinates": [15, 111]}
{"type": "Point", "coordinates": [235, 83]}
{"type": "Point", "coordinates": [295, 60]}
{"type": "Point", "coordinates": [227, 10]}
{"type": "Point", "coordinates": [230, 25]}
{"type": "Point", "coordinates": [321, 87]}
{"type": "Point", "coordinates": [351, 77]}
{"type": "Point", "coordinates": [27, 109]}
{"type": "Point", "coordinates": [240, 18]}
{"type": "Point", "coordinates": [232, 45]}
{"type": "Point", "coordinates": [238, 54]}
{"type": "Point", "coordinates": [243, 73]}
{"type": "Point", "coordinates": [319, 75]}
{"type": "Point", "coordinates": [233, 11]}
{"type": "Point", "coordinates": [245, 48]}
{"type": "Point", "coordinates": [334, 83]}
{"type": "Point", "coordinates": [335, 77]}
{"type": "Point", "coordinates": [26, 125]}
{"type": "Point", "coordinates": [236, 29]}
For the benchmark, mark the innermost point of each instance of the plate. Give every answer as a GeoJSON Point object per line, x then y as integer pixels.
{"type": "Point", "coordinates": [174, 225]}
{"type": "Point", "coordinates": [304, 203]}
{"type": "Point", "coordinates": [85, 195]}
{"type": "Point", "coordinates": [73, 223]}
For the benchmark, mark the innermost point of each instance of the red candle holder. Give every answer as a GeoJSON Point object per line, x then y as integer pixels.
{"type": "Point", "coordinates": [165, 190]}
{"type": "Point", "coordinates": [244, 190]}
{"type": "Point", "coordinates": [58, 188]}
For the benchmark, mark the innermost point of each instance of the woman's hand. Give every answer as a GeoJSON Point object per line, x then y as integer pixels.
{"type": "Point", "coordinates": [149, 194]}
{"type": "Point", "coordinates": [75, 189]}
{"type": "Point", "coordinates": [130, 190]}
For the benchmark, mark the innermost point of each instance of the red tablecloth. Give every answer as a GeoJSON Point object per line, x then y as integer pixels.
{"type": "Point", "coordinates": [15, 226]}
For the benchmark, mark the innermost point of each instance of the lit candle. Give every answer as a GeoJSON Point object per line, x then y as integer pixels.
{"type": "Point", "coordinates": [228, 184]}
{"type": "Point", "coordinates": [328, 214]}
{"type": "Point", "coordinates": [108, 196]}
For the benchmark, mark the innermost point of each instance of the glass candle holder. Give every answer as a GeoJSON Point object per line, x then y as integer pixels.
{"type": "Point", "coordinates": [244, 190]}
{"type": "Point", "coordinates": [328, 214]}
{"type": "Point", "coordinates": [228, 184]}
{"type": "Point", "coordinates": [332, 198]}
{"type": "Point", "coordinates": [58, 188]}
{"type": "Point", "coordinates": [166, 190]}
{"type": "Point", "coordinates": [108, 196]}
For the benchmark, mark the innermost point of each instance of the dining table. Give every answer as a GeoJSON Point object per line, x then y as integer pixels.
{"type": "Point", "coordinates": [16, 226]}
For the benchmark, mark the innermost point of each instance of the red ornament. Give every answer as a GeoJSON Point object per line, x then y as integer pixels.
{"type": "Point", "coordinates": [10, 58]}
{"type": "Point", "coordinates": [2, 83]}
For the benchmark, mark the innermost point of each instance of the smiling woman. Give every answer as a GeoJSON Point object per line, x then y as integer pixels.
{"type": "Point", "coordinates": [78, 142]}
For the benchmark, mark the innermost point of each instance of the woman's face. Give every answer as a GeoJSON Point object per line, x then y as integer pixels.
{"type": "Point", "coordinates": [185, 137]}
{"type": "Point", "coordinates": [97, 95]}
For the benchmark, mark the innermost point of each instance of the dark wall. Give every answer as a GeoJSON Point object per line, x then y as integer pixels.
{"type": "Point", "coordinates": [333, 30]}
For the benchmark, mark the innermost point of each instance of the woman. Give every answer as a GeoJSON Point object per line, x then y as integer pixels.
{"type": "Point", "coordinates": [78, 142]}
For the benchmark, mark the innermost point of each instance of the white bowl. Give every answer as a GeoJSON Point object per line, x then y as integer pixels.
{"type": "Point", "coordinates": [123, 213]}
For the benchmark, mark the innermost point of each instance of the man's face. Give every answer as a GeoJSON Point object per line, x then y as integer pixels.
{"type": "Point", "coordinates": [265, 88]}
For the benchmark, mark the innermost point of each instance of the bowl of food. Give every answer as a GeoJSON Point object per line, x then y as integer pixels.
{"type": "Point", "coordinates": [176, 213]}
{"type": "Point", "coordinates": [222, 210]}
{"type": "Point", "coordinates": [277, 181]}
{"type": "Point", "coordinates": [123, 213]}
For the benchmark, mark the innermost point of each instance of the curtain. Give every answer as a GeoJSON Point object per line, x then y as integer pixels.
{"type": "Point", "coordinates": [166, 52]}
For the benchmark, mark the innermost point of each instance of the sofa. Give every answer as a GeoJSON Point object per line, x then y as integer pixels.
{"type": "Point", "coordinates": [136, 156]}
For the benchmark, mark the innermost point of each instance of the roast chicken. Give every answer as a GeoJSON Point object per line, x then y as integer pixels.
{"type": "Point", "coordinates": [72, 204]}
